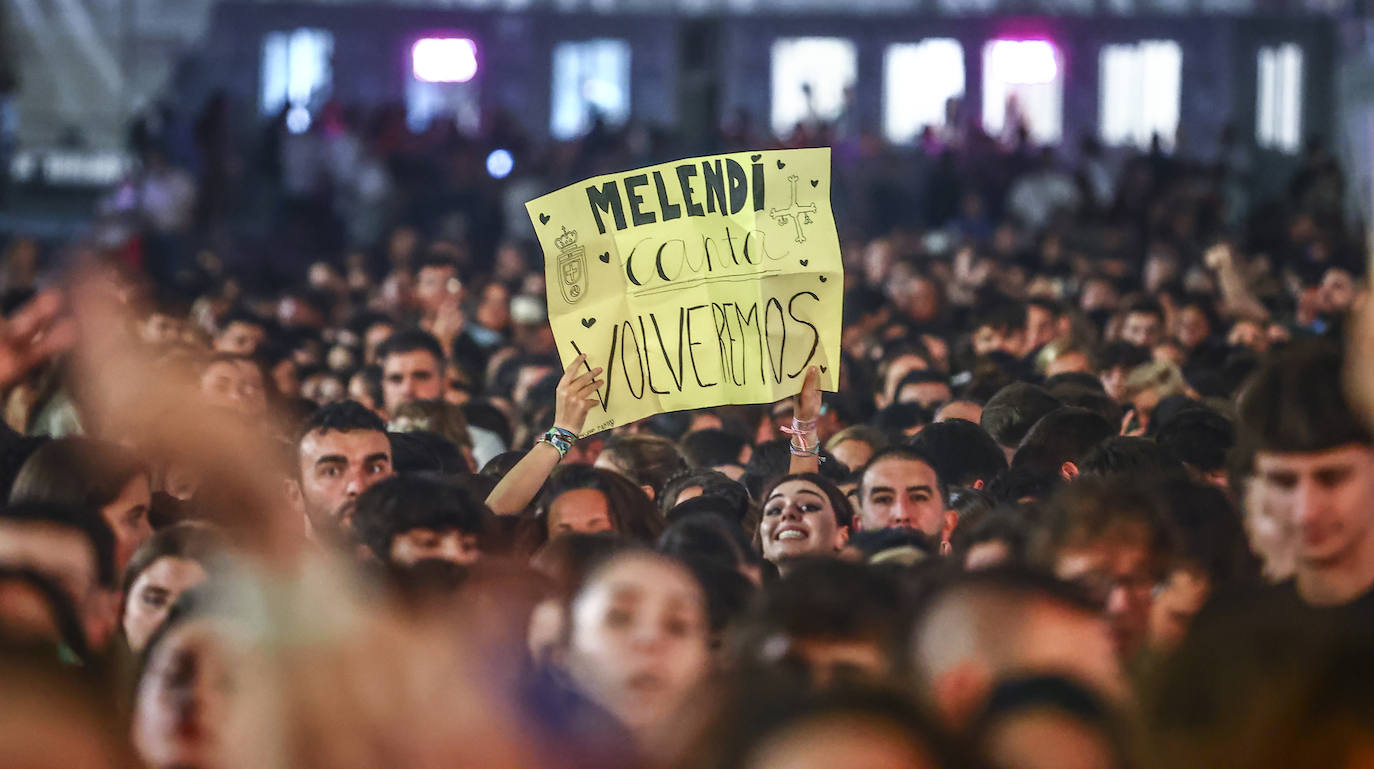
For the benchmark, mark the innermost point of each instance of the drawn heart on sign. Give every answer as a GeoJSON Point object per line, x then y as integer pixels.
{"type": "Point", "coordinates": [822, 278]}
{"type": "Point", "coordinates": [588, 322]}
{"type": "Point", "coordinates": [805, 262]}
{"type": "Point", "coordinates": [755, 158]}
{"type": "Point", "coordinates": [824, 369]}
{"type": "Point", "coordinates": [543, 218]}
{"type": "Point", "coordinates": [605, 257]}
{"type": "Point", "coordinates": [781, 165]}
{"type": "Point", "coordinates": [815, 182]}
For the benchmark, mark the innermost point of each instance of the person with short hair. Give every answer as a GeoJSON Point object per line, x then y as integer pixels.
{"type": "Point", "coordinates": [412, 364]}
{"type": "Point", "coordinates": [341, 451]}
{"type": "Point", "coordinates": [1109, 536]}
{"type": "Point", "coordinates": [648, 460]}
{"type": "Point", "coordinates": [1311, 464]}
{"type": "Point", "coordinates": [407, 519]}
{"type": "Point", "coordinates": [1013, 411]}
{"type": "Point", "coordinates": [965, 455]}
{"type": "Point", "coordinates": [899, 488]}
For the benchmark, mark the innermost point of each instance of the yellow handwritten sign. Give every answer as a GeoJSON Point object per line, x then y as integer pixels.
{"type": "Point", "coordinates": [697, 283]}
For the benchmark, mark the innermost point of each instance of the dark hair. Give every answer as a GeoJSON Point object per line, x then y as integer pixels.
{"type": "Point", "coordinates": [411, 340]}
{"type": "Point", "coordinates": [773, 458]}
{"type": "Point", "coordinates": [1030, 694]}
{"type": "Point", "coordinates": [648, 460]}
{"type": "Point", "coordinates": [1123, 454]}
{"type": "Point", "coordinates": [342, 416]}
{"type": "Point", "coordinates": [425, 451]}
{"type": "Point", "coordinates": [960, 451]}
{"type": "Point", "coordinates": [1095, 401]}
{"type": "Point", "coordinates": [762, 706]}
{"type": "Point", "coordinates": [896, 418]}
{"type": "Point", "coordinates": [1018, 483]}
{"type": "Point", "coordinates": [1295, 404]}
{"type": "Point", "coordinates": [1198, 437]}
{"type": "Point", "coordinates": [712, 484]}
{"type": "Point", "coordinates": [922, 376]}
{"type": "Point", "coordinates": [84, 520]}
{"type": "Point", "coordinates": [632, 513]}
{"type": "Point", "coordinates": [711, 447]}
{"type": "Point", "coordinates": [403, 503]}
{"type": "Point", "coordinates": [372, 378]}
{"type": "Point", "coordinates": [1121, 354]}
{"type": "Point", "coordinates": [1063, 435]}
{"type": "Point", "coordinates": [708, 538]}
{"type": "Point", "coordinates": [197, 542]}
{"type": "Point", "coordinates": [483, 415]}
{"type": "Point", "coordinates": [1093, 507]}
{"type": "Point", "coordinates": [567, 559]}
{"type": "Point", "coordinates": [822, 598]}
{"type": "Point", "coordinates": [78, 473]}
{"type": "Point", "coordinates": [1210, 537]}
{"type": "Point", "coordinates": [1006, 524]}
{"type": "Point", "coordinates": [907, 453]}
{"type": "Point", "coordinates": [844, 512]}
{"type": "Point", "coordinates": [1146, 307]}
{"type": "Point", "coordinates": [1011, 413]}
{"type": "Point", "coordinates": [1069, 381]}
{"type": "Point", "coordinates": [1001, 315]}
{"type": "Point", "coordinates": [240, 315]}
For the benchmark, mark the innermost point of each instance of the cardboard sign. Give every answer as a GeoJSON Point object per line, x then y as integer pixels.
{"type": "Point", "coordinates": [697, 283]}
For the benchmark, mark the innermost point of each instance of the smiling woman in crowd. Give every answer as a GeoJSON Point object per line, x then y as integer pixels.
{"type": "Point", "coordinates": [804, 515]}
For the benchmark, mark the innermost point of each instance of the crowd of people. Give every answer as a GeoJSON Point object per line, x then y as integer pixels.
{"type": "Point", "coordinates": [1096, 489]}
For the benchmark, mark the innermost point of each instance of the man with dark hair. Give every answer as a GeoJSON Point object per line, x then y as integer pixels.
{"type": "Point", "coordinates": [927, 388]}
{"type": "Point", "coordinates": [1115, 362]}
{"type": "Point", "coordinates": [1201, 439]}
{"type": "Point", "coordinates": [1143, 325]}
{"type": "Point", "coordinates": [1000, 326]}
{"type": "Point", "coordinates": [437, 283]}
{"type": "Point", "coordinates": [899, 488]}
{"type": "Point", "coordinates": [1110, 536]}
{"type": "Point", "coordinates": [1060, 439]}
{"type": "Point", "coordinates": [340, 452]}
{"type": "Point", "coordinates": [240, 333]}
{"type": "Point", "coordinates": [963, 453]}
{"type": "Point", "coordinates": [1043, 320]}
{"type": "Point", "coordinates": [403, 520]}
{"type": "Point", "coordinates": [1011, 413]}
{"type": "Point", "coordinates": [412, 364]}
{"type": "Point", "coordinates": [1313, 469]}
{"type": "Point", "coordinates": [1127, 455]}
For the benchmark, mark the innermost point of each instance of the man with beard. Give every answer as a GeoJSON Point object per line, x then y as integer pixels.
{"type": "Point", "coordinates": [899, 488]}
{"type": "Point", "coordinates": [341, 452]}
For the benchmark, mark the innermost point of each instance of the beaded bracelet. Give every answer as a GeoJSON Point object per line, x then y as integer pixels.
{"type": "Point", "coordinates": [799, 430]}
{"type": "Point", "coordinates": [560, 439]}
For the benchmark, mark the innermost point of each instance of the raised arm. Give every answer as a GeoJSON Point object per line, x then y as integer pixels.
{"type": "Point", "coordinates": [575, 397]}
{"type": "Point", "coordinates": [806, 442]}
{"type": "Point", "coordinates": [1237, 300]}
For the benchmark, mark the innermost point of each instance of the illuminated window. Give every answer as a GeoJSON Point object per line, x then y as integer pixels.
{"type": "Point", "coordinates": [1278, 113]}
{"type": "Point", "coordinates": [590, 78]}
{"type": "Point", "coordinates": [296, 73]}
{"type": "Point", "coordinates": [919, 79]}
{"type": "Point", "coordinates": [811, 76]}
{"type": "Point", "coordinates": [444, 59]}
{"type": "Point", "coordinates": [1138, 92]}
{"type": "Point", "coordinates": [1023, 82]}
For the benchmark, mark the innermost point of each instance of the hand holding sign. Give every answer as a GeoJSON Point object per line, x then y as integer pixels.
{"type": "Point", "coordinates": [576, 395]}
{"type": "Point", "coordinates": [696, 283]}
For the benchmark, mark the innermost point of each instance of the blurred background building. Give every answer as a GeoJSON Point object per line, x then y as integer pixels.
{"type": "Point", "coordinates": [88, 87]}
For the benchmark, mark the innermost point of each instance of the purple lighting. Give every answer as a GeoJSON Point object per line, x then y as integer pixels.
{"type": "Point", "coordinates": [1025, 61]}
{"type": "Point", "coordinates": [444, 59]}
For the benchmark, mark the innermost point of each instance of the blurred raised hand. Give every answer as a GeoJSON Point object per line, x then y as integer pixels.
{"type": "Point", "coordinates": [34, 334]}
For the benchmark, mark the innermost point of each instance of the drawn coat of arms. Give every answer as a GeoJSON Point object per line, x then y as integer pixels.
{"type": "Point", "coordinates": [572, 266]}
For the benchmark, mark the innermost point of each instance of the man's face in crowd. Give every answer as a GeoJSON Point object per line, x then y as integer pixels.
{"type": "Point", "coordinates": [410, 376]}
{"type": "Point", "coordinates": [987, 339]}
{"type": "Point", "coordinates": [1118, 571]}
{"type": "Point", "coordinates": [434, 285]}
{"type": "Point", "coordinates": [1142, 328]}
{"type": "Point", "coordinates": [1114, 382]}
{"type": "Point", "coordinates": [336, 467]}
{"type": "Point", "coordinates": [240, 338]}
{"type": "Point", "coordinates": [901, 493]}
{"type": "Point", "coordinates": [410, 547]}
{"type": "Point", "coordinates": [852, 453]}
{"type": "Point", "coordinates": [1193, 327]}
{"type": "Point", "coordinates": [235, 385]}
{"type": "Point", "coordinates": [1324, 497]}
{"type": "Point", "coordinates": [898, 369]}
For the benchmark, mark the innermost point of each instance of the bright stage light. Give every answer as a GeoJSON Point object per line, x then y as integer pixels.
{"type": "Point", "coordinates": [444, 59]}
